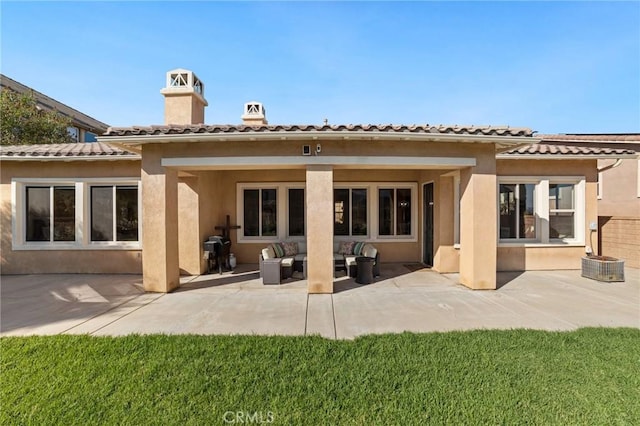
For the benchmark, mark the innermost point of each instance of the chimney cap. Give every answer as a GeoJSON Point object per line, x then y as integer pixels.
{"type": "Point", "coordinates": [181, 81]}
{"type": "Point", "coordinates": [254, 113]}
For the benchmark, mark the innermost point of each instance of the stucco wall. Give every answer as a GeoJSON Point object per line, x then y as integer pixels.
{"type": "Point", "coordinates": [219, 199]}
{"type": "Point", "coordinates": [549, 257]}
{"type": "Point", "coordinates": [63, 261]}
{"type": "Point", "coordinates": [620, 193]}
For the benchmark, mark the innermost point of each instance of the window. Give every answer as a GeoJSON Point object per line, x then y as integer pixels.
{"type": "Point", "coordinates": [350, 211]}
{"type": "Point", "coordinates": [561, 211]}
{"type": "Point", "coordinates": [296, 212]}
{"type": "Point", "coordinates": [260, 212]}
{"type": "Point", "coordinates": [114, 213]}
{"type": "Point", "coordinates": [90, 137]}
{"type": "Point", "coordinates": [74, 133]}
{"type": "Point", "coordinates": [73, 214]}
{"type": "Point", "coordinates": [50, 208]}
{"type": "Point", "coordinates": [516, 207]}
{"type": "Point", "coordinates": [541, 210]}
{"type": "Point", "coordinates": [394, 211]}
{"type": "Point", "coordinates": [275, 211]}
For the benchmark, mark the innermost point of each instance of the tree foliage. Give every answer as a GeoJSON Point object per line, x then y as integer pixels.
{"type": "Point", "coordinates": [24, 123]}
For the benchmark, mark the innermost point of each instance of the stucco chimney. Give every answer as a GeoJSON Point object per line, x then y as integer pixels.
{"type": "Point", "coordinates": [254, 114]}
{"type": "Point", "coordinates": [184, 100]}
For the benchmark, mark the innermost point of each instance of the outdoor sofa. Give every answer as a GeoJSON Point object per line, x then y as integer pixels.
{"type": "Point", "coordinates": [294, 253]}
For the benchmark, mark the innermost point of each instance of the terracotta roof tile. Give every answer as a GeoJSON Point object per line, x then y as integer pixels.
{"type": "Point", "coordinates": [66, 150]}
{"type": "Point", "coordinates": [560, 150]}
{"type": "Point", "coordinates": [373, 128]}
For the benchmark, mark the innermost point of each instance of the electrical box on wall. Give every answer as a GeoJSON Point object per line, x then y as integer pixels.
{"type": "Point", "coordinates": [593, 226]}
{"type": "Point", "coordinates": [306, 149]}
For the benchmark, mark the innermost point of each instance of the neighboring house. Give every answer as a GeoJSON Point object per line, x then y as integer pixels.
{"type": "Point", "coordinates": [83, 129]}
{"type": "Point", "coordinates": [618, 193]}
{"type": "Point", "coordinates": [466, 199]}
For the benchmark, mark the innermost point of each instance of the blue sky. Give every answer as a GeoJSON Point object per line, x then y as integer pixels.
{"type": "Point", "coordinates": [565, 67]}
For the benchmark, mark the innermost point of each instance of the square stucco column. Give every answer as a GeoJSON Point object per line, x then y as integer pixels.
{"type": "Point", "coordinates": [478, 230]}
{"type": "Point", "coordinates": [160, 271]}
{"type": "Point", "coordinates": [319, 191]}
{"type": "Point", "coordinates": [189, 234]}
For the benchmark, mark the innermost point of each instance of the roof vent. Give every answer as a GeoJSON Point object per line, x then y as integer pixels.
{"type": "Point", "coordinates": [254, 114]}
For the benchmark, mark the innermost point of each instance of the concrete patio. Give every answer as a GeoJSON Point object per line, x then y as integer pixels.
{"type": "Point", "coordinates": [404, 298]}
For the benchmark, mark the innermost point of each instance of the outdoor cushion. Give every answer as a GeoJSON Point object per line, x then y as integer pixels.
{"type": "Point", "coordinates": [277, 249]}
{"type": "Point", "coordinates": [290, 248]}
{"type": "Point", "coordinates": [357, 248]}
{"type": "Point", "coordinates": [346, 247]}
{"type": "Point", "coordinates": [287, 261]}
{"type": "Point", "coordinates": [369, 251]}
{"type": "Point", "coordinates": [268, 253]}
{"type": "Point", "coordinates": [300, 257]}
{"type": "Point", "coordinates": [350, 260]}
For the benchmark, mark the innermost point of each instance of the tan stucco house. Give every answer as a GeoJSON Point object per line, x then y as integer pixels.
{"type": "Point", "coordinates": [467, 199]}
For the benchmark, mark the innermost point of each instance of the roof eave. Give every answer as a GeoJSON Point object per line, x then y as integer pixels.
{"type": "Point", "coordinates": [70, 158]}
{"type": "Point", "coordinates": [130, 141]}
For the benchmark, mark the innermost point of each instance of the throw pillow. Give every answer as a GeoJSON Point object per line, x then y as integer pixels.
{"type": "Point", "coordinates": [346, 247]}
{"type": "Point", "coordinates": [290, 248]}
{"type": "Point", "coordinates": [277, 249]}
{"type": "Point", "coordinates": [357, 248]}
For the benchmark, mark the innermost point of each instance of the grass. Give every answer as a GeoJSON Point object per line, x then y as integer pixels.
{"type": "Point", "coordinates": [589, 376]}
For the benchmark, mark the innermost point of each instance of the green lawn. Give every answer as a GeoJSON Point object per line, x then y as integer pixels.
{"type": "Point", "coordinates": [590, 376]}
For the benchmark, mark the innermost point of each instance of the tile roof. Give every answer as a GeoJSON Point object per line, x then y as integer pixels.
{"type": "Point", "coordinates": [559, 150]}
{"type": "Point", "coordinates": [372, 128]}
{"type": "Point", "coordinates": [66, 151]}
{"type": "Point", "coordinates": [583, 137]}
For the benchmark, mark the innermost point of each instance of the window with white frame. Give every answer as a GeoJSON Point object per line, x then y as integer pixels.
{"type": "Point", "coordinates": [562, 211]}
{"type": "Point", "coordinates": [516, 206]}
{"type": "Point", "coordinates": [75, 213]}
{"type": "Point", "coordinates": [350, 212]}
{"type": "Point", "coordinates": [277, 210]}
{"type": "Point", "coordinates": [114, 212]}
{"type": "Point", "coordinates": [260, 212]}
{"type": "Point", "coordinates": [394, 211]}
{"type": "Point", "coordinates": [541, 210]}
{"type": "Point", "coordinates": [50, 213]}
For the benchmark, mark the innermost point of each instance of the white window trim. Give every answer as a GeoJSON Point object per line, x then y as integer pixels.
{"type": "Point", "coordinates": [537, 202]}
{"type": "Point", "coordinates": [83, 222]}
{"type": "Point", "coordinates": [87, 213]}
{"type": "Point", "coordinates": [413, 186]}
{"type": "Point", "coordinates": [542, 210]}
{"type": "Point", "coordinates": [282, 205]}
{"type": "Point", "coordinates": [350, 186]}
{"type": "Point", "coordinates": [601, 186]}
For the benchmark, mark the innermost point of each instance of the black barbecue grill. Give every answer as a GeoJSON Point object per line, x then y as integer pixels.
{"type": "Point", "coordinates": [218, 249]}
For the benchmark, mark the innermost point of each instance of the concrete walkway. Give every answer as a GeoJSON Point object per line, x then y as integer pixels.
{"type": "Point", "coordinates": [405, 298]}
